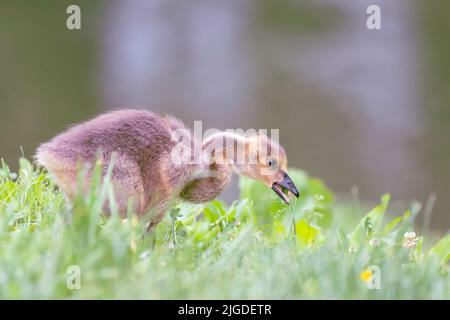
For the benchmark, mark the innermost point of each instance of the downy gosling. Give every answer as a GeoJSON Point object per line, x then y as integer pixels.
{"type": "Point", "coordinates": [147, 171]}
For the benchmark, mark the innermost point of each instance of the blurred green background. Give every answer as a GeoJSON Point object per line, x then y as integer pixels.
{"type": "Point", "coordinates": [367, 111]}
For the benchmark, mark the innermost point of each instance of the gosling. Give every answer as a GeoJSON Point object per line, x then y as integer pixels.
{"type": "Point", "coordinates": [150, 166]}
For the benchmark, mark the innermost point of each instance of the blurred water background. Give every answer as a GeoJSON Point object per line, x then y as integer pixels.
{"type": "Point", "coordinates": [367, 111]}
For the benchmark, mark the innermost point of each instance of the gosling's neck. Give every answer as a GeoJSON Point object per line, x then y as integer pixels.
{"type": "Point", "coordinates": [227, 149]}
{"type": "Point", "coordinates": [221, 155]}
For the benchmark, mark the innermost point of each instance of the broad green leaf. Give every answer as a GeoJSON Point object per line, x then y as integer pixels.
{"type": "Point", "coordinates": [306, 233]}
{"type": "Point", "coordinates": [442, 249]}
{"type": "Point", "coordinates": [313, 205]}
{"type": "Point", "coordinates": [211, 215]}
{"type": "Point", "coordinates": [371, 223]}
{"type": "Point", "coordinates": [391, 225]}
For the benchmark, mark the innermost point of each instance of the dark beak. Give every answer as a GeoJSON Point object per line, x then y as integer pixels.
{"type": "Point", "coordinates": [284, 186]}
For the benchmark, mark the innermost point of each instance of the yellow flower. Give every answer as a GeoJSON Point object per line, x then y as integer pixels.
{"type": "Point", "coordinates": [365, 275]}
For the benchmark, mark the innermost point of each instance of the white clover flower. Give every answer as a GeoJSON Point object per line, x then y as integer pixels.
{"type": "Point", "coordinates": [410, 239]}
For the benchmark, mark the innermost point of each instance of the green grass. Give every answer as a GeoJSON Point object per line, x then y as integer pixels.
{"type": "Point", "coordinates": [243, 251]}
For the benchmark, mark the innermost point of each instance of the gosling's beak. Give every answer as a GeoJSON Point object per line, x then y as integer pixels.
{"type": "Point", "coordinates": [284, 186]}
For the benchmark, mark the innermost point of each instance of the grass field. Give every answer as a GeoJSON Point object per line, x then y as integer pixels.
{"type": "Point", "coordinates": [247, 250]}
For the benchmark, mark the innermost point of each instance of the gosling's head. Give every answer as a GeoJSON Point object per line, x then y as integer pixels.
{"type": "Point", "coordinates": [266, 162]}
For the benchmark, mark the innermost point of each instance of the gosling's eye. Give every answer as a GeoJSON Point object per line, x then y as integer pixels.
{"type": "Point", "coordinates": [272, 163]}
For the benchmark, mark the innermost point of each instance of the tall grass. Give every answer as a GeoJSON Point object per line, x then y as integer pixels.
{"type": "Point", "coordinates": [240, 251]}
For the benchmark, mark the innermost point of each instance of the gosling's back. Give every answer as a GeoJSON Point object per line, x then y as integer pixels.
{"type": "Point", "coordinates": [141, 141]}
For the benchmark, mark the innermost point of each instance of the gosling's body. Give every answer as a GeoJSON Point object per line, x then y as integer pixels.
{"type": "Point", "coordinates": [144, 174]}
{"type": "Point", "coordinates": [141, 142]}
